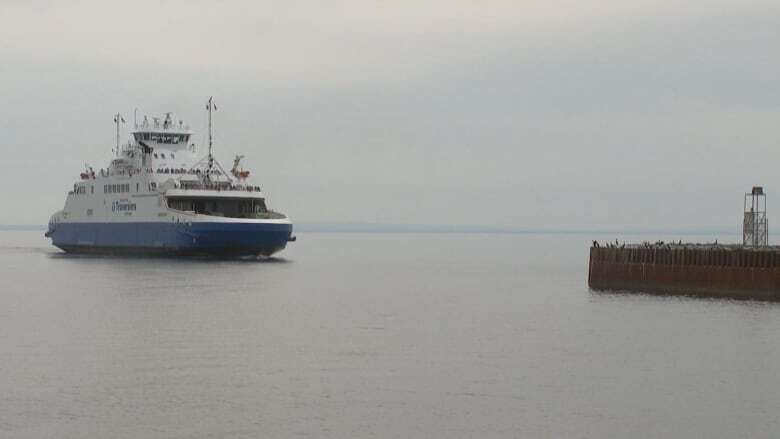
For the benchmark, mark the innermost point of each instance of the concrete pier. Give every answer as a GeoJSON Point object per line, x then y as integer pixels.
{"type": "Point", "coordinates": [713, 270]}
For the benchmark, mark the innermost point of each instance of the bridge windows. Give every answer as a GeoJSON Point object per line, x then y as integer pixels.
{"type": "Point", "coordinates": [165, 138]}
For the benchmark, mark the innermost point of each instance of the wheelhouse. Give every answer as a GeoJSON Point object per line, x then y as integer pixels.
{"type": "Point", "coordinates": [162, 133]}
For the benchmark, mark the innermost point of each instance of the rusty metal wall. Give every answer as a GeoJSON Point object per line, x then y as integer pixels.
{"type": "Point", "coordinates": [743, 273]}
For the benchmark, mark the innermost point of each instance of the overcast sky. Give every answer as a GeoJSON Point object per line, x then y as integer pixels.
{"type": "Point", "coordinates": [608, 114]}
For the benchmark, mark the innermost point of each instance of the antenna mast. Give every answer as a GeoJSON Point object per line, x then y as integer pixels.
{"type": "Point", "coordinates": [210, 106]}
{"type": "Point", "coordinates": [118, 118]}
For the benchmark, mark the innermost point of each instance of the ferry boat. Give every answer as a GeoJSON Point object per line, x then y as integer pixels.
{"type": "Point", "coordinates": [158, 195]}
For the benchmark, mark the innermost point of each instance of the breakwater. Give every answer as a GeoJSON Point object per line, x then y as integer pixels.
{"type": "Point", "coordinates": [715, 270]}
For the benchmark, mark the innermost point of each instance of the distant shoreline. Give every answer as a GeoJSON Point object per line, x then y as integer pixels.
{"type": "Point", "coordinates": [16, 227]}
{"type": "Point", "coordinates": [335, 227]}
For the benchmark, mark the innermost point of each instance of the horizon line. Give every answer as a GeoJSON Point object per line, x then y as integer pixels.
{"type": "Point", "coordinates": [368, 227]}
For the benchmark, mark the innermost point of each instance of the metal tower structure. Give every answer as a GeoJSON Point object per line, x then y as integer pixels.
{"type": "Point", "coordinates": [755, 229]}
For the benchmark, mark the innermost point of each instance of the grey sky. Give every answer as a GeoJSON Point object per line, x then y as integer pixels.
{"type": "Point", "coordinates": [561, 114]}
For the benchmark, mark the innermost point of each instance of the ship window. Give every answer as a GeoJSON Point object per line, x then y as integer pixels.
{"type": "Point", "coordinates": [137, 187]}
{"type": "Point", "coordinates": [162, 155]}
{"type": "Point", "coordinates": [155, 155]}
{"type": "Point", "coordinates": [173, 156]}
{"type": "Point", "coordinates": [114, 188]}
{"type": "Point", "coordinates": [230, 208]}
{"type": "Point", "coordinates": [91, 189]}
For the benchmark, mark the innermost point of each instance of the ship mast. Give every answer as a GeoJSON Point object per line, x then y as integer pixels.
{"type": "Point", "coordinates": [210, 106]}
{"type": "Point", "coordinates": [118, 118]}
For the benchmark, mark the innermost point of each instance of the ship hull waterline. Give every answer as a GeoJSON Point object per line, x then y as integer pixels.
{"type": "Point", "coordinates": [220, 239]}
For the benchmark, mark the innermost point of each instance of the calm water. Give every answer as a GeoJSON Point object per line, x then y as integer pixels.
{"type": "Point", "coordinates": [372, 335]}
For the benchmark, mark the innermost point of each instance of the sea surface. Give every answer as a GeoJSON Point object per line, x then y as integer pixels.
{"type": "Point", "coordinates": [396, 335]}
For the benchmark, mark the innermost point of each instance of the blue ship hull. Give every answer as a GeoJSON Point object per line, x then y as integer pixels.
{"type": "Point", "coordinates": [208, 238]}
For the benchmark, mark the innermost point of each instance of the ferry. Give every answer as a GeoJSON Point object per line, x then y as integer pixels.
{"type": "Point", "coordinates": [158, 195]}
